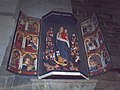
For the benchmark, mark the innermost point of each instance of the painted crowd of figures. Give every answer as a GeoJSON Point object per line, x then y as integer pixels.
{"type": "Point", "coordinates": [97, 54]}
{"type": "Point", "coordinates": [24, 56]}
{"type": "Point", "coordinates": [61, 54]}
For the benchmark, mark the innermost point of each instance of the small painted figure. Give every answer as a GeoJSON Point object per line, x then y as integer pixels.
{"type": "Point", "coordinates": [87, 29]}
{"type": "Point", "coordinates": [49, 53]}
{"type": "Point", "coordinates": [73, 67]}
{"type": "Point", "coordinates": [28, 63]}
{"type": "Point", "coordinates": [75, 48]}
{"type": "Point", "coordinates": [22, 22]}
{"type": "Point", "coordinates": [95, 62]}
{"type": "Point", "coordinates": [33, 26]}
{"type": "Point", "coordinates": [31, 44]}
{"type": "Point", "coordinates": [106, 57]}
{"type": "Point", "coordinates": [15, 58]}
{"type": "Point", "coordinates": [19, 40]}
{"type": "Point", "coordinates": [92, 66]}
{"type": "Point", "coordinates": [91, 44]}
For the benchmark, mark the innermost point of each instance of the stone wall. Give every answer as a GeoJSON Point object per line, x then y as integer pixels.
{"type": "Point", "coordinates": [38, 8]}
{"type": "Point", "coordinates": [7, 24]}
{"type": "Point", "coordinates": [7, 27]}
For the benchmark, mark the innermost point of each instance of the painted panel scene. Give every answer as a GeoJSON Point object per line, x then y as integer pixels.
{"type": "Point", "coordinates": [61, 50]}
{"type": "Point", "coordinates": [95, 47]}
{"type": "Point", "coordinates": [24, 53]}
{"type": "Point", "coordinates": [61, 45]}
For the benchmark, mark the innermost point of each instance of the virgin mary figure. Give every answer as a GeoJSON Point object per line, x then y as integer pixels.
{"type": "Point", "coordinates": [62, 44]}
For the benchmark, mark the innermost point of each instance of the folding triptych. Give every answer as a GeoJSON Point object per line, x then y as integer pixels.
{"type": "Point", "coordinates": [56, 46]}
